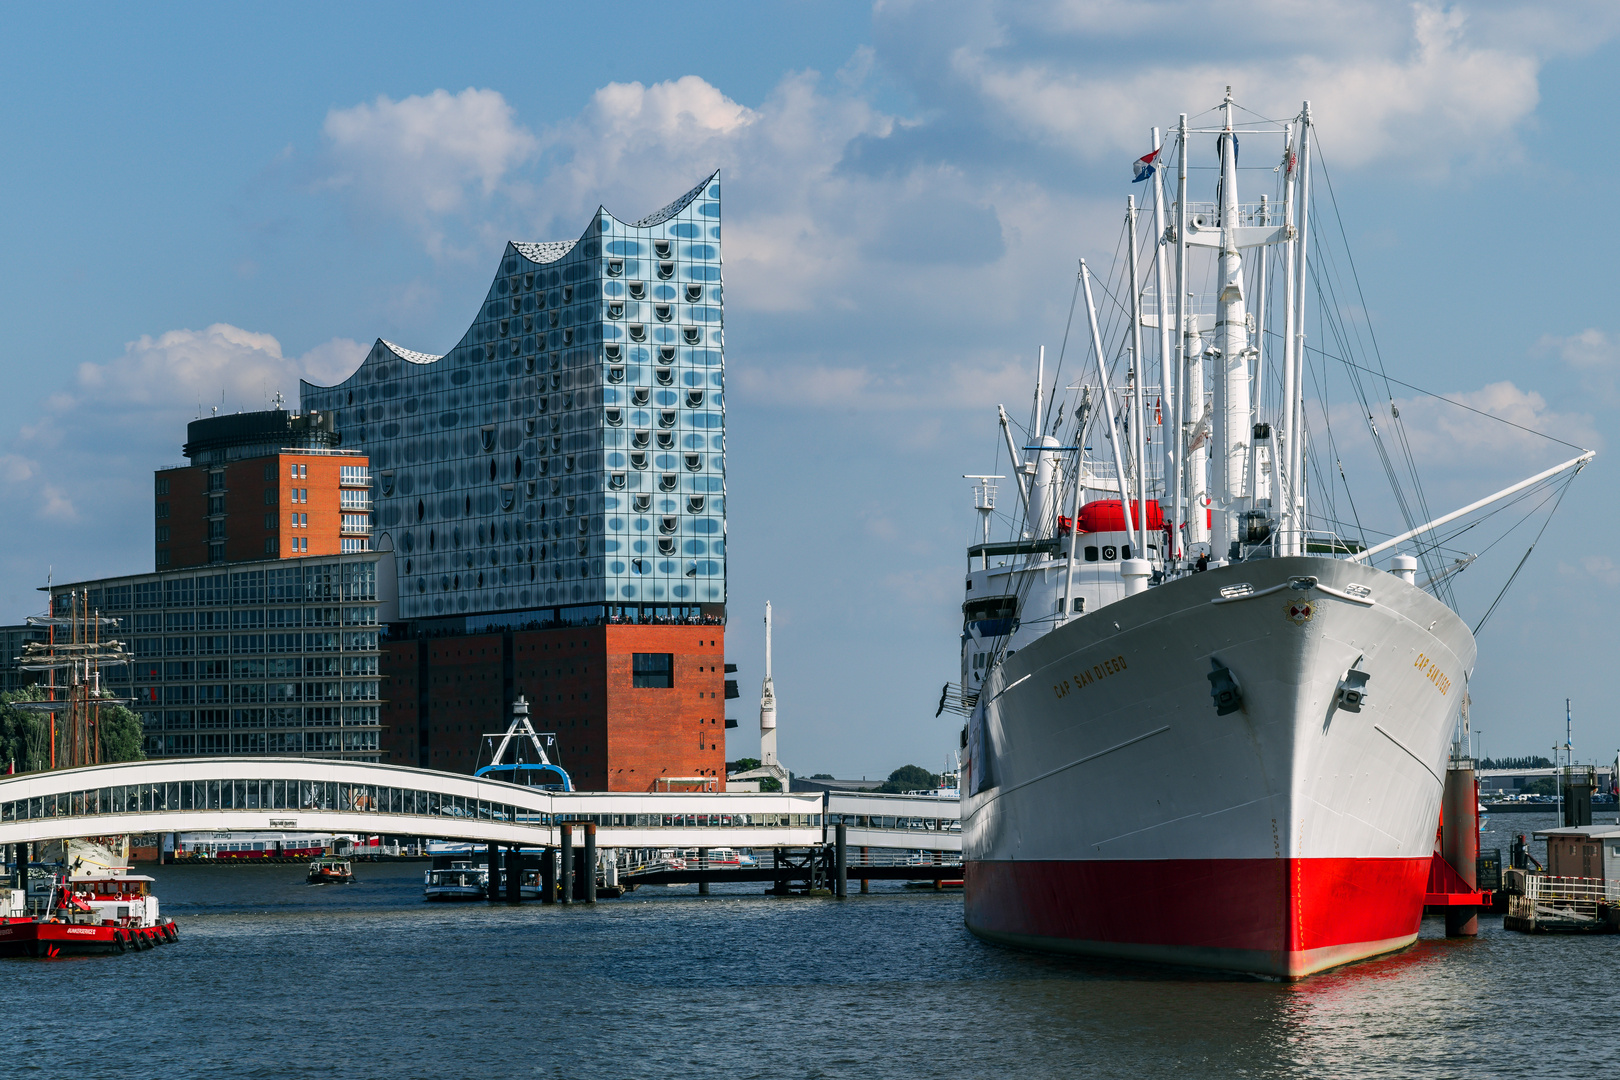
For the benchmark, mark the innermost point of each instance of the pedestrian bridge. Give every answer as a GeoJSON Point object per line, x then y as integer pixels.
{"type": "Point", "coordinates": [218, 794]}
{"type": "Point", "coordinates": [312, 795]}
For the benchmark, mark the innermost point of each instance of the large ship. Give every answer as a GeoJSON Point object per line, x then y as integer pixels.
{"type": "Point", "coordinates": [1203, 728]}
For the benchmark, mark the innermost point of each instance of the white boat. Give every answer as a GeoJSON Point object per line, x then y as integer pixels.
{"type": "Point", "coordinates": [461, 880]}
{"type": "Point", "coordinates": [1200, 732]}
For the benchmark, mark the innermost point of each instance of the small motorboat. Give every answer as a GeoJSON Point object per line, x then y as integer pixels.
{"type": "Point", "coordinates": [331, 871]}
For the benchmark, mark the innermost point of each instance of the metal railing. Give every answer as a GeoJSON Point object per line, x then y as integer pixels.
{"type": "Point", "coordinates": [1576, 898]}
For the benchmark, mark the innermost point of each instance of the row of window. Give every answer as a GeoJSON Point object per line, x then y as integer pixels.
{"type": "Point", "coordinates": [250, 619]}
{"type": "Point", "coordinates": [336, 797]}
{"type": "Point", "coordinates": [195, 670]}
{"type": "Point", "coordinates": [253, 644]}
{"type": "Point", "coordinates": [248, 693]}
{"type": "Point", "coordinates": [287, 584]}
{"type": "Point", "coordinates": [274, 716]}
{"type": "Point", "coordinates": [265, 742]}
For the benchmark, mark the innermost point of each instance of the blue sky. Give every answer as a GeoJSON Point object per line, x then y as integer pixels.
{"type": "Point", "coordinates": [205, 205]}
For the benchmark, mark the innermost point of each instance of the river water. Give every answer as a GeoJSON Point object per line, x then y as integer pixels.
{"type": "Point", "coordinates": [276, 978]}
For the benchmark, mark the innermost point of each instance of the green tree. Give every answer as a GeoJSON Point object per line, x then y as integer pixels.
{"type": "Point", "coordinates": [121, 735]}
{"type": "Point", "coordinates": [909, 778]}
{"type": "Point", "coordinates": [742, 764]}
{"type": "Point", "coordinates": [25, 734]}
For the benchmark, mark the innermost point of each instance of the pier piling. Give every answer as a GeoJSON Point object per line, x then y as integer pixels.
{"type": "Point", "coordinates": [566, 831]}
{"type": "Point", "coordinates": [493, 890]}
{"type": "Point", "coordinates": [703, 864]}
{"type": "Point", "coordinates": [514, 875]}
{"type": "Point", "coordinates": [548, 876]}
{"type": "Point", "coordinates": [1459, 841]}
{"type": "Point", "coordinates": [866, 885]}
{"type": "Point", "coordinates": [841, 860]}
{"type": "Point", "coordinates": [590, 862]}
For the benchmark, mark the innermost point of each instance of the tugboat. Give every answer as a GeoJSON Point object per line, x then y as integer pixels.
{"type": "Point", "coordinates": [106, 911]}
{"type": "Point", "coordinates": [330, 871]}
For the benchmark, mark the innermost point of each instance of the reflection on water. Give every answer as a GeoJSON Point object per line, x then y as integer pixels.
{"type": "Point", "coordinates": [280, 978]}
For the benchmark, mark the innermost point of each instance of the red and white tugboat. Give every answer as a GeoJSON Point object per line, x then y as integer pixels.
{"type": "Point", "coordinates": [108, 910]}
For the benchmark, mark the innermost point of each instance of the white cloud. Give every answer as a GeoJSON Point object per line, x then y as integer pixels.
{"type": "Point", "coordinates": [95, 443]}
{"type": "Point", "coordinates": [1593, 355]}
{"type": "Point", "coordinates": [1384, 81]}
{"type": "Point", "coordinates": [421, 157]}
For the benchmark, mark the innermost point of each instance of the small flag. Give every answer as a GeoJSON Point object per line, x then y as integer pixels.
{"type": "Point", "coordinates": [1143, 167]}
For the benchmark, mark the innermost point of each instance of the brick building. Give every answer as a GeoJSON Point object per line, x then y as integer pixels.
{"type": "Point", "coordinates": [634, 708]}
{"type": "Point", "coordinates": [261, 485]}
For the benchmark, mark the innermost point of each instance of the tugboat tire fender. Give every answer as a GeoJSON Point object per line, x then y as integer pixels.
{"type": "Point", "coordinates": [118, 941]}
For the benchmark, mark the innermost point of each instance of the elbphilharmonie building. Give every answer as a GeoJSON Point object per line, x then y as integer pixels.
{"type": "Point", "coordinates": [564, 462]}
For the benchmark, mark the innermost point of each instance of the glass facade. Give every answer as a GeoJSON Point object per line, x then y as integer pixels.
{"type": "Point", "coordinates": [569, 451]}
{"type": "Point", "coordinates": [276, 657]}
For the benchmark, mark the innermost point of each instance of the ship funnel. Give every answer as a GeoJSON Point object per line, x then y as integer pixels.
{"type": "Point", "coordinates": [1405, 568]}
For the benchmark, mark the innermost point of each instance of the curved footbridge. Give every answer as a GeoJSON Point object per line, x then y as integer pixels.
{"type": "Point", "coordinates": [314, 795]}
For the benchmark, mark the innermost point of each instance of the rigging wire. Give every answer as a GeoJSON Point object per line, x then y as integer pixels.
{"type": "Point", "coordinates": [1514, 576]}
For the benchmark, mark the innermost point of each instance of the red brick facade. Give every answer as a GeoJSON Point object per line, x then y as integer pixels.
{"type": "Point", "coordinates": [277, 506]}
{"type": "Point", "coordinates": [611, 735]}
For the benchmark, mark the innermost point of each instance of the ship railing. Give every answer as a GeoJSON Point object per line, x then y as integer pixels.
{"type": "Point", "coordinates": [1269, 213]}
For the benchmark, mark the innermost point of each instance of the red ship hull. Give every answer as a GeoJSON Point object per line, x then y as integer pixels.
{"type": "Point", "coordinates": [1282, 917]}
{"type": "Point", "coordinates": [31, 937]}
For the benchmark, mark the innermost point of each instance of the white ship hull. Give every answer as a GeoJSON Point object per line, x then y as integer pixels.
{"type": "Point", "coordinates": [1108, 809]}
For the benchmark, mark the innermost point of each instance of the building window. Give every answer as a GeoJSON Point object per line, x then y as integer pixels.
{"type": "Point", "coordinates": [216, 553]}
{"type": "Point", "coordinates": [270, 546]}
{"type": "Point", "coordinates": [163, 485]}
{"type": "Point", "coordinates": [162, 510]}
{"type": "Point", "coordinates": [653, 670]}
{"type": "Point", "coordinates": [272, 521]}
{"type": "Point", "coordinates": [163, 534]}
{"type": "Point", "coordinates": [269, 472]}
{"type": "Point", "coordinates": [299, 471]}
{"type": "Point", "coordinates": [163, 557]}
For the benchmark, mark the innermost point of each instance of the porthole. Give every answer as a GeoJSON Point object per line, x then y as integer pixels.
{"type": "Point", "coordinates": [614, 417]}
{"type": "Point", "coordinates": [640, 395]}
{"type": "Point", "coordinates": [692, 334]}
{"type": "Point", "coordinates": [668, 523]}
{"type": "Point", "coordinates": [668, 482]}
{"type": "Point", "coordinates": [694, 293]}
{"type": "Point", "coordinates": [1091, 553]}
{"type": "Point", "coordinates": [640, 438]}
{"type": "Point", "coordinates": [528, 281]}
{"type": "Point", "coordinates": [666, 376]}
{"type": "Point", "coordinates": [694, 399]}
{"type": "Point", "coordinates": [615, 311]}
{"type": "Point", "coordinates": [1109, 553]}
{"type": "Point", "coordinates": [666, 354]}
{"type": "Point", "coordinates": [616, 481]}
{"type": "Point", "coordinates": [694, 504]}
{"type": "Point", "coordinates": [568, 294]}
{"type": "Point", "coordinates": [568, 463]}
{"type": "Point", "coordinates": [643, 503]}
{"type": "Point", "coordinates": [568, 336]}
{"type": "Point", "coordinates": [666, 545]}
{"type": "Point", "coordinates": [661, 248]}
{"type": "Point", "coordinates": [503, 327]}
{"type": "Point", "coordinates": [517, 305]}
{"type": "Point", "coordinates": [694, 462]}
{"type": "Point", "coordinates": [638, 459]}
{"type": "Point", "coordinates": [528, 427]}
{"type": "Point", "coordinates": [615, 267]}
{"type": "Point", "coordinates": [611, 351]}
{"type": "Point", "coordinates": [666, 270]}
{"type": "Point", "coordinates": [638, 290]}
{"type": "Point", "coordinates": [487, 435]}
{"type": "Point", "coordinates": [661, 312]}
{"type": "Point", "coordinates": [638, 332]}
{"type": "Point", "coordinates": [666, 440]}
{"type": "Point", "coordinates": [666, 418]}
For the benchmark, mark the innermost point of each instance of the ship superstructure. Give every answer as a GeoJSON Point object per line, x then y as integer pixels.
{"type": "Point", "coordinates": [1178, 681]}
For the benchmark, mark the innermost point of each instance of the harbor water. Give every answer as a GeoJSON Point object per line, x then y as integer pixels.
{"type": "Point", "coordinates": [273, 977]}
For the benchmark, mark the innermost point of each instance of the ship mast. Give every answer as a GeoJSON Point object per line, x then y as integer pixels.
{"type": "Point", "coordinates": [1232, 409]}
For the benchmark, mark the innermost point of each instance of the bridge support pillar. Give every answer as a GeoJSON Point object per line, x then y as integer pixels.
{"type": "Point", "coordinates": [548, 876]}
{"type": "Point", "coordinates": [492, 892]}
{"type": "Point", "coordinates": [590, 862]}
{"type": "Point", "coordinates": [841, 860]}
{"type": "Point", "coordinates": [566, 833]}
{"type": "Point", "coordinates": [703, 864]}
{"type": "Point", "coordinates": [866, 884]}
{"type": "Point", "coordinates": [514, 875]}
